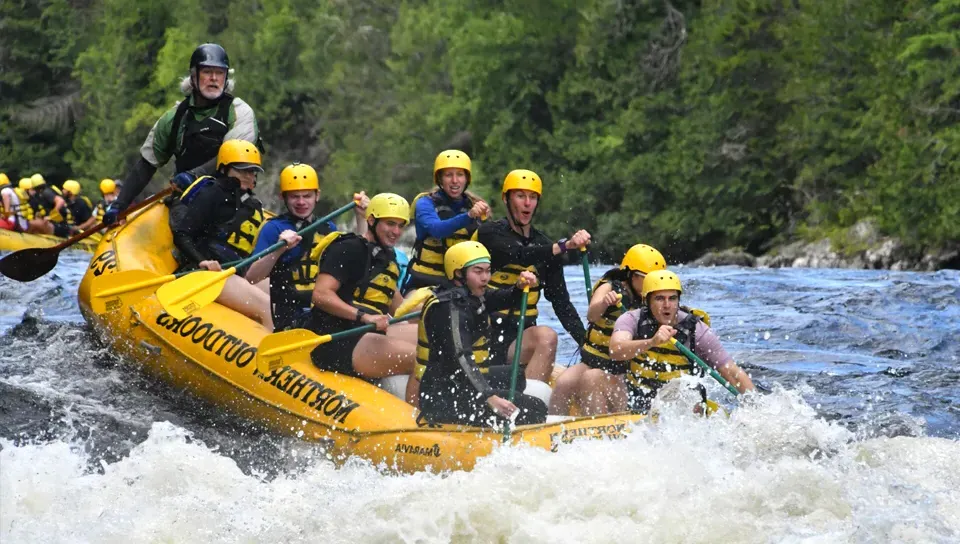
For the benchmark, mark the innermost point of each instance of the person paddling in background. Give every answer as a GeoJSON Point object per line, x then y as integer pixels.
{"type": "Point", "coordinates": [596, 383]}
{"type": "Point", "coordinates": [20, 213]}
{"type": "Point", "coordinates": [10, 217]}
{"type": "Point", "coordinates": [192, 131]}
{"type": "Point", "coordinates": [357, 285]}
{"type": "Point", "coordinates": [47, 202]}
{"type": "Point", "coordinates": [516, 246]}
{"type": "Point", "coordinates": [80, 206]}
{"type": "Point", "coordinates": [642, 336]}
{"type": "Point", "coordinates": [220, 220]}
{"type": "Point", "coordinates": [444, 217]}
{"type": "Point", "coordinates": [293, 268]}
{"type": "Point", "coordinates": [108, 188]}
{"type": "Point", "coordinates": [460, 382]}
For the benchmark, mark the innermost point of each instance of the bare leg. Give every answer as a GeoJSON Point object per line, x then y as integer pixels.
{"type": "Point", "coordinates": [247, 299]}
{"type": "Point", "coordinates": [602, 393]}
{"type": "Point", "coordinates": [403, 331]}
{"type": "Point", "coordinates": [565, 388]}
{"type": "Point", "coordinates": [40, 226]}
{"type": "Point", "coordinates": [538, 352]}
{"type": "Point", "coordinates": [378, 356]}
{"type": "Point", "coordinates": [264, 285]}
{"type": "Point", "coordinates": [413, 391]}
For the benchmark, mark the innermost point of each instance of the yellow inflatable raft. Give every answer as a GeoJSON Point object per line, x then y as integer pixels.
{"type": "Point", "coordinates": [212, 353]}
{"type": "Point", "coordinates": [15, 241]}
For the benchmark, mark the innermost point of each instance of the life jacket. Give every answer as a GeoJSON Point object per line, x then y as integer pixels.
{"type": "Point", "coordinates": [374, 292]}
{"type": "Point", "coordinates": [291, 283]}
{"type": "Point", "coordinates": [596, 345]}
{"type": "Point", "coordinates": [427, 262]}
{"type": "Point", "coordinates": [506, 278]}
{"type": "Point", "coordinates": [650, 370]}
{"type": "Point", "coordinates": [201, 139]}
{"type": "Point", "coordinates": [99, 210]}
{"type": "Point", "coordinates": [26, 210]}
{"type": "Point", "coordinates": [480, 349]}
{"type": "Point", "coordinates": [55, 215]}
{"type": "Point", "coordinates": [240, 233]}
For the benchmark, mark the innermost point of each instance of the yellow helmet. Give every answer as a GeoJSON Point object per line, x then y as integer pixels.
{"type": "Point", "coordinates": [4, 180]}
{"type": "Point", "coordinates": [389, 205]}
{"type": "Point", "coordinates": [661, 280]}
{"type": "Point", "coordinates": [72, 187]}
{"type": "Point", "coordinates": [240, 155]}
{"type": "Point", "coordinates": [37, 180]}
{"type": "Point", "coordinates": [643, 258]}
{"type": "Point", "coordinates": [299, 177]}
{"type": "Point", "coordinates": [464, 255]}
{"type": "Point", "coordinates": [451, 158]}
{"type": "Point", "coordinates": [25, 184]}
{"type": "Point", "coordinates": [107, 186]}
{"type": "Point", "coordinates": [522, 179]}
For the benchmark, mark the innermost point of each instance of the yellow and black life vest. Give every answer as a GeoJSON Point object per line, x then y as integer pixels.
{"type": "Point", "coordinates": [374, 293]}
{"type": "Point", "coordinates": [99, 210]}
{"type": "Point", "coordinates": [596, 346]}
{"type": "Point", "coordinates": [60, 216]}
{"type": "Point", "coordinates": [480, 349]}
{"type": "Point", "coordinates": [26, 210]}
{"type": "Point", "coordinates": [240, 232]}
{"type": "Point", "coordinates": [506, 278]}
{"type": "Point", "coordinates": [653, 368]}
{"type": "Point", "coordinates": [427, 262]}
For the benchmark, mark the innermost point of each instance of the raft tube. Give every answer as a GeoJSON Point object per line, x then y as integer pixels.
{"type": "Point", "coordinates": [212, 354]}
{"type": "Point", "coordinates": [15, 241]}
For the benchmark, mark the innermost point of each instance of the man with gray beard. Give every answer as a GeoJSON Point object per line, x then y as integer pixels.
{"type": "Point", "coordinates": [193, 130]}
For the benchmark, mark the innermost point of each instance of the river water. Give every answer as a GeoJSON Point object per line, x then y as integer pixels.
{"type": "Point", "coordinates": [857, 440]}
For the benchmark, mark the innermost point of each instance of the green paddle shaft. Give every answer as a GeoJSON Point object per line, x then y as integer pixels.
{"type": "Point", "coordinates": [370, 326]}
{"type": "Point", "coordinates": [306, 231]}
{"type": "Point", "coordinates": [586, 273]}
{"type": "Point", "coordinates": [515, 371]}
{"type": "Point", "coordinates": [707, 368]}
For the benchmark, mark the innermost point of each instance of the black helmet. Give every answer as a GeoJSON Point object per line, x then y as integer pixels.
{"type": "Point", "coordinates": [209, 54]}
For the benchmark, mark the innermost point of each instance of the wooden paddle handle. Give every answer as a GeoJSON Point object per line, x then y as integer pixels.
{"type": "Point", "coordinates": [96, 228]}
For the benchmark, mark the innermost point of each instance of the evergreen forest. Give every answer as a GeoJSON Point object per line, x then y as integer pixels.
{"type": "Point", "coordinates": [688, 125]}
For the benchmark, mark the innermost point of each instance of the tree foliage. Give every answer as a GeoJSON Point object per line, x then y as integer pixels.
{"type": "Point", "coordinates": [688, 125]}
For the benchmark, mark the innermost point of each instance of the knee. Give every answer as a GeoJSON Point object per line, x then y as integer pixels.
{"type": "Point", "coordinates": [545, 336]}
{"type": "Point", "coordinates": [594, 379]}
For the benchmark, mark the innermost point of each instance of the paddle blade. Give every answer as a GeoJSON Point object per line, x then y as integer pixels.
{"type": "Point", "coordinates": [285, 348]}
{"type": "Point", "coordinates": [113, 292]}
{"type": "Point", "coordinates": [29, 264]}
{"type": "Point", "coordinates": [186, 295]}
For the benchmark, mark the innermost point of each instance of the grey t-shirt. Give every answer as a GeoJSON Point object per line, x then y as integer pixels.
{"type": "Point", "coordinates": [707, 346]}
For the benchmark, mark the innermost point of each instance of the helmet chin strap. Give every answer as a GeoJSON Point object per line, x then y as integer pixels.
{"type": "Point", "coordinates": [373, 232]}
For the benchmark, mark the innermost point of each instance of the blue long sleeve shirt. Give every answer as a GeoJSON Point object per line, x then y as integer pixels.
{"type": "Point", "coordinates": [429, 223]}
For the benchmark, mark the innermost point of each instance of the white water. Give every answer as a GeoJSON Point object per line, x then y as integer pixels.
{"type": "Point", "coordinates": [773, 472]}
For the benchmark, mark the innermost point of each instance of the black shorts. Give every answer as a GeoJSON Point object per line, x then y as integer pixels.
{"type": "Point", "coordinates": [337, 356]}
{"type": "Point", "coordinates": [503, 331]}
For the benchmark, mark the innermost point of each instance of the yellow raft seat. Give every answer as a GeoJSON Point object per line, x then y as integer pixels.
{"type": "Point", "coordinates": [212, 353]}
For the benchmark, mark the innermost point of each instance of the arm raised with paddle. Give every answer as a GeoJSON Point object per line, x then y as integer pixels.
{"type": "Point", "coordinates": [29, 264]}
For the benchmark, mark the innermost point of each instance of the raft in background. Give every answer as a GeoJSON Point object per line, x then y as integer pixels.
{"type": "Point", "coordinates": [213, 352]}
{"type": "Point", "coordinates": [15, 241]}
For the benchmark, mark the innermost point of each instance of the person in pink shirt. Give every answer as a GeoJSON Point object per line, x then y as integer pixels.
{"type": "Point", "coordinates": [642, 336]}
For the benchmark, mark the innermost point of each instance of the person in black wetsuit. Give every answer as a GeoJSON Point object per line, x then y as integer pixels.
{"type": "Point", "coordinates": [219, 222]}
{"type": "Point", "coordinates": [460, 381]}
{"type": "Point", "coordinates": [515, 246]}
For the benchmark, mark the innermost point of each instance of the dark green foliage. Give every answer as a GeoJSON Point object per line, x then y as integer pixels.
{"type": "Point", "coordinates": [687, 125]}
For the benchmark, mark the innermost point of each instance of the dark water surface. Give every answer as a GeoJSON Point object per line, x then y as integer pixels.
{"type": "Point", "coordinates": [863, 365]}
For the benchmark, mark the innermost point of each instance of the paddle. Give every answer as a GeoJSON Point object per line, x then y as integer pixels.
{"type": "Point", "coordinates": [586, 273]}
{"type": "Point", "coordinates": [707, 368]}
{"type": "Point", "coordinates": [134, 285]}
{"type": "Point", "coordinates": [31, 263]}
{"type": "Point", "coordinates": [294, 346]}
{"type": "Point", "coordinates": [518, 347]}
{"type": "Point", "coordinates": [185, 295]}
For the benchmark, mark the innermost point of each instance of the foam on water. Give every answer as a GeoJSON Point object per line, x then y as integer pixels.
{"type": "Point", "coordinates": [773, 471]}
